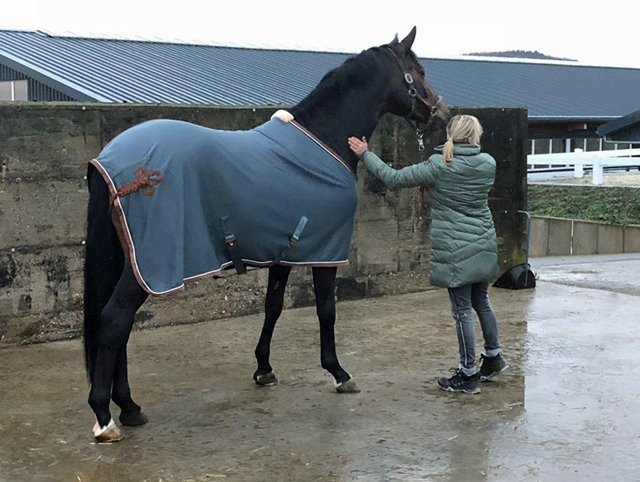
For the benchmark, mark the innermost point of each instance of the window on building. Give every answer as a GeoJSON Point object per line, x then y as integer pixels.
{"type": "Point", "coordinates": [541, 146]}
{"type": "Point", "coordinates": [578, 144]}
{"type": "Point", "coordinates": [553, 146]}
{"type": "Point", "coordinates": [546, 146]}
{"type": "Point", "coordinates": [594, 144]}
{"type": "Point", "coordinates": [557, 146]}
{"type": "Point", "coordinates": [14, 90]}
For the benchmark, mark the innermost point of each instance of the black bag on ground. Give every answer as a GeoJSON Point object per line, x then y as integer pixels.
{"type": "Point", "coordinates": [517, 278]}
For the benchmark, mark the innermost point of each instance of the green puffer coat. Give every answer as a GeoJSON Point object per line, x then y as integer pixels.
{"type": "Point", "coordinates": [463, 238]}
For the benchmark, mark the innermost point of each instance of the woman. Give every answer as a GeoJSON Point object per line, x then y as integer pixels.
{"type": "Point", "coordinates": [464, 247]}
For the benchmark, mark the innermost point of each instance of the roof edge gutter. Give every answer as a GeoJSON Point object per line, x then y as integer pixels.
{"type": "Point", "coordinates": [570, 118]}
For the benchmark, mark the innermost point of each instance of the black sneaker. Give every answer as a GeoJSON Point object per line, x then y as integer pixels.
{"type": "Point", "coordinates": [492, 367]}
{"type": "Point", "coordinates": [460, 382]}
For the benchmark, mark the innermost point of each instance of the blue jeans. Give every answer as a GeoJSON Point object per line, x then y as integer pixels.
{"type": "Point", "coordinates": [463, 300]}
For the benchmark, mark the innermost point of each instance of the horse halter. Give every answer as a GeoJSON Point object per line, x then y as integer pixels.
{"type": "Point", "coordinates": [415, 96]}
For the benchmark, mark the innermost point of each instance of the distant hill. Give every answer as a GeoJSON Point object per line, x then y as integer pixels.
{"type": "Point", "coordinates": [520, 54]}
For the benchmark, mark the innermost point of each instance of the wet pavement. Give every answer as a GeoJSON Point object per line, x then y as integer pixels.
{"type": "Point", "coordinates": [566, 410]}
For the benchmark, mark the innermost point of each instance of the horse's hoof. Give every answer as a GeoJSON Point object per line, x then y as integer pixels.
{"type": "Point", "coordinates": [109, 434]}
{"type": "Point", "coordinates": [350, 386]}
{"type": "Point", "coordinates": [266, 380]}
{"type": "Point", "coordinates": [133, 419]}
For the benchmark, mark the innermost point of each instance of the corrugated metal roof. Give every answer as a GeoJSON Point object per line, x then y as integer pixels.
{"type": "Point", "coordinates": [147, 71]}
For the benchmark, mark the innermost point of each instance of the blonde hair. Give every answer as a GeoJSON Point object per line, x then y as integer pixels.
{"type": "Point", "coordinates": [462, 129]}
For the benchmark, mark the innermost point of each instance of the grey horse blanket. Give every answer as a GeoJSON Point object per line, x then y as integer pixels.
{"type": "Point", "coordinates": [182, 193]}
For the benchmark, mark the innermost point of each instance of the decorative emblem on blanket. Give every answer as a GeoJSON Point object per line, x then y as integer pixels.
{"type": "Point", "coordinates": [144, 183]}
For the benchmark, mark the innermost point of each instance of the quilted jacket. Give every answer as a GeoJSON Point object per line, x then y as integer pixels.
{"type": "Point", "coordinates": [463, 237]}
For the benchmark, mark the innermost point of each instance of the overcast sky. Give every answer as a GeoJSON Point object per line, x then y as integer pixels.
{"type": "Point", "coordinates": [600, 33]}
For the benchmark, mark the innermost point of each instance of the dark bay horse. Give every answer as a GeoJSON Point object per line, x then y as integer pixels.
{"type": "Point", "coordinates": [349, 101]}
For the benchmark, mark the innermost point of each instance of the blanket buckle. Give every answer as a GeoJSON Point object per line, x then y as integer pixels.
{"type": "Point", "coordinates": [231, 240]}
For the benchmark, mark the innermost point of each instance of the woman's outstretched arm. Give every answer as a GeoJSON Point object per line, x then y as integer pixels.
{"type": "Point", "coordinates": [422, 174]}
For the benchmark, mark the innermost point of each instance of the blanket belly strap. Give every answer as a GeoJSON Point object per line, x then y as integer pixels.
{"type": "Point", "coordinates": [231, 240]}
{"type": "Point", "coordinates": [293, 241]}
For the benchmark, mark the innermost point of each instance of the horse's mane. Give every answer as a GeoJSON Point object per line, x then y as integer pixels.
{"type": "Point", "coordinates": [356, 71]}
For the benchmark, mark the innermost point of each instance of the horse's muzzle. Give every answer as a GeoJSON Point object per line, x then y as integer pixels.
{"type": "Point", "coordinates": [443, 112]}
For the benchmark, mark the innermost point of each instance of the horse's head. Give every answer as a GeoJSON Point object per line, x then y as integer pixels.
{"type": "Point", "coordinates": [350, 99]}
{"type": "Point", "coordinates": [410, 95]}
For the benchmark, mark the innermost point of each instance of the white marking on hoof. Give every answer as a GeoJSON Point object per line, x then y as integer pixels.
{"type": "Point", "coordinates": [267, 380]}
{"type": "Point", "coordinates": [350, 386]}
{"type": "Point", "coordinates": [108, 434]}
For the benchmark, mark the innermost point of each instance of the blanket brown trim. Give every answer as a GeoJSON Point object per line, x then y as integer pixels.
{"type": "Point", "coordinates": [324, 146]}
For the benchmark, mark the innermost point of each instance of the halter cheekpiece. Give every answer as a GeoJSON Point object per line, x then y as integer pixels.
{"type": "Point", "coordinates": [415, 96]}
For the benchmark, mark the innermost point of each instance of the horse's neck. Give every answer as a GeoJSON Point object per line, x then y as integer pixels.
{"type": "Point", "coordinates": [334, 123]}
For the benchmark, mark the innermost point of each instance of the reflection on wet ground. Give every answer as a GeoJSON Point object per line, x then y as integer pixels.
{"type": "Point", "coordinates": [565, 411]}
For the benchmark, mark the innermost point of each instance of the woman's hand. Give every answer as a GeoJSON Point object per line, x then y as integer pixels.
{"type": "Point", "coordinates": [358, 146]}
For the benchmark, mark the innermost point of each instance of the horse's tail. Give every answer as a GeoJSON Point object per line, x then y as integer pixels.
{"type": "Point", "coordinates": [104, 262]}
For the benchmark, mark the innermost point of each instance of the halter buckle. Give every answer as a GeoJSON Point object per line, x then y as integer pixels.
{"type": "Point", "coordinates": [408, 78]}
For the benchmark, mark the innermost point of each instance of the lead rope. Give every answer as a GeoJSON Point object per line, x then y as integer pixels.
{"type": "Point", "coordinates": [417, 217]}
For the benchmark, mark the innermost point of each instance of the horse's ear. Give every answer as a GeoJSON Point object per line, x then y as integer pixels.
{"type": "Point", "coordinates": [407, 42]}
{"type": "Point", "coordinates": [395, 41]}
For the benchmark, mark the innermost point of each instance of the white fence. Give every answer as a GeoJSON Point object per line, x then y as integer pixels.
{"type": "Point", "coordinates": [579, 159]}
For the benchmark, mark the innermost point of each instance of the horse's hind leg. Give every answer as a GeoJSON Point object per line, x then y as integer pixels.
{"type": "Point", "coordinates": [274, 301]}
{"type": "Point", "coordinates": [115, 326]}
{"type": "Point", "coordinates": [324, 282]}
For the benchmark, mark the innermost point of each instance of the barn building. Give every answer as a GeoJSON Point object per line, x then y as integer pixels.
{"type": "Point", "coordinates": [567, 102]}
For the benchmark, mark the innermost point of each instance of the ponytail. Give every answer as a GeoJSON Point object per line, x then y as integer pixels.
{"type": "Point", "coordinates": [448, 151]}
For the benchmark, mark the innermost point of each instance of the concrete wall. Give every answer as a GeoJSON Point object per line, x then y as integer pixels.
{"type": "Point", "coordinates": [44, 149]}
{"type": "Point", "coordinates": [564, 237]}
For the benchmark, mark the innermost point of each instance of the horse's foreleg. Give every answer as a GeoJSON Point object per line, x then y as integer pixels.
{"type": "Point", "coordinates": [115, 326]}
{"type": "Point", "coordinates": [324, 282]}
{"type": "Point", "coordinates": [274, 301]}
{"type": "Point", "coordinates": [131, 413]}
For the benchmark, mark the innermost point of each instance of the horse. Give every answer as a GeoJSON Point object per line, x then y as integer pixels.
{"type": "Point", "coordinates": [348, 101]}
